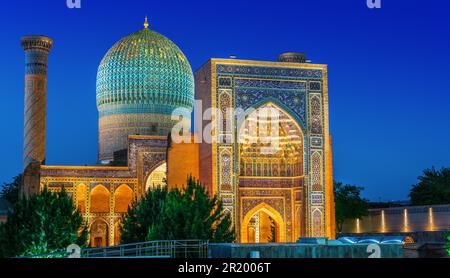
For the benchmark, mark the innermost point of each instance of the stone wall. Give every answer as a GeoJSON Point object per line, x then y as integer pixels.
{"type": "Point", "coordinates": [402, 219]}
{"type": "Point", "coordinates": [418, 237]}
{"type": "Point", "coordinates": [182, 161]}
{"type": "Point", "coordinates": [226, 251]}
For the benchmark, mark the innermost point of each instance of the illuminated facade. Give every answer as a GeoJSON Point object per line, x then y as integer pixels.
{"type": "Point", "coordinates": [288, 191]}
{"type": "Point", "coordinates": [279, 195]}
{"type": "Point", "coordinates": [103, 193]}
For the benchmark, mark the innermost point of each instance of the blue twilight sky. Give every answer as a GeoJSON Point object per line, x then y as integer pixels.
{"type": "Point", "coordinates": [388, 73]}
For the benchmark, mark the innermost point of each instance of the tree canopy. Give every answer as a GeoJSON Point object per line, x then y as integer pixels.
{"type": "Point", "coordinates": [433, 188]}
{"type": "Point", "coordinates": [348, 203]}
{"type": "Point", "coordinates": [10, 191]}
{"type": "Point", "coordinates": [43, 223]}
{"type": "Point", "coordinates": [447, 245]}
{"type": "Point", "coordinates": [142, 215]}
{"type": "Point", "coordinates": [177, 214]}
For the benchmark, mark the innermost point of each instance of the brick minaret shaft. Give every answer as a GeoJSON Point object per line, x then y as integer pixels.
{"type": "Point", "coordinates": [36, 50]}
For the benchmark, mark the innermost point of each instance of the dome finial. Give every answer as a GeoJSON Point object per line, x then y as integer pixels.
{"type": "Point", "coordinates": [146, 22]}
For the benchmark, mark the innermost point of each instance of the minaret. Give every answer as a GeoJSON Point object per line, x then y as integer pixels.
{"type": "Point", "coordinates": [36, 50]}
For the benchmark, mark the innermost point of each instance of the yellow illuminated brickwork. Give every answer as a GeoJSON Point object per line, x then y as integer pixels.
{"type": "Point", "coordinates": [104, 193]}
{"type": "Point", "coordinates": [183, 160]}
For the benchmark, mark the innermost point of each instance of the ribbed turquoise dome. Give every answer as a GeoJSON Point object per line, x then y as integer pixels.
{"type": "Point", "coordinates": [141, 80]}
{"type": "Point", "coordinates": [144, 72]}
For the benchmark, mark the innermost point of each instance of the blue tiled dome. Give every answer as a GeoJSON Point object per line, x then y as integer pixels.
{"type": "Point", "coordinates": [141, 80]}
{"type": "Point", "coordinates": [144, 72]}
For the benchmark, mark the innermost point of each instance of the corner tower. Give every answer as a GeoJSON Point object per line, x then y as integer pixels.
{"type": "Point", "coordinates": [36, 50]}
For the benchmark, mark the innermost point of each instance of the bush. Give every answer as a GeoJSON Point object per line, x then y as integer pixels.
{"type": "Point", "coordinates": [177, 215]}
{"type": "Point", "coordinates": [44, 223]}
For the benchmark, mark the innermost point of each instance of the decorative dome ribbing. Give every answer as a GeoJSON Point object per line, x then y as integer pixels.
{"type": "Point", "coordinates": [141, 80]}
{"type": "Point", "coordinates": [144, 73]}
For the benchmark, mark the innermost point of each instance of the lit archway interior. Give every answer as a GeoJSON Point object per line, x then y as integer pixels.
{"type": "Point", "coordinates": [271, 144]}
{"type": "Point", "coordinates": [262, 228]}
{"type": "Point", "coordinates": [263, 224]}
{"type": "Point", "coordinates": [99, 233]}
{"type": "Point", "coordinates": [157, 177]}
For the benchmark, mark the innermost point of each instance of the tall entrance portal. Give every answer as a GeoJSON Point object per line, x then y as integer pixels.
{"type": "Point", "coordinates": [271, 173]}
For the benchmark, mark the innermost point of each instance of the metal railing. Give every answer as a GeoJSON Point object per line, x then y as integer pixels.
{"type": "Point", "coordinates": [152, 249]}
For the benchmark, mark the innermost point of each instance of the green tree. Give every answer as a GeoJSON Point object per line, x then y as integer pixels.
{"type": "Point", "coordinates": [46, 222]}
{"type": "Point", "coordinates": [447, 246]}
{"type": "Point", "coordinates": [348, 203]}
{"type": "Point", "coordinates": [10, 191]}
{"type": "Point", "coordinates": [433, 188]}
{"type": "Point", "coordinates": [189, 213]}
{"type": "Point", "coordinates": [142, 215]}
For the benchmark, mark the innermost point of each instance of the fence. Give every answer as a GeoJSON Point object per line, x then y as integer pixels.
{"type": "Point", "coordinates": [152, 249]}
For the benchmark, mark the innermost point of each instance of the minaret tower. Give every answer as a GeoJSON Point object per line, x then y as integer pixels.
{"type": "Point", "coordinates": [36, 50]}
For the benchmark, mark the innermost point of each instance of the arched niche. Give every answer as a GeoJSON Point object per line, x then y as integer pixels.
{"type": "Point", "coordinates": [123, 197]}
{"type": "Point", "coordinates": [99, 199]}
{"type": "Point", "coordinates": [157, 177]}
{"type": "Point", "coordinates": [258, 223]}
{"type": "Point", "coordinates": [270, 144]}
{"type": "Point", "coordinates": [99, 232]}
